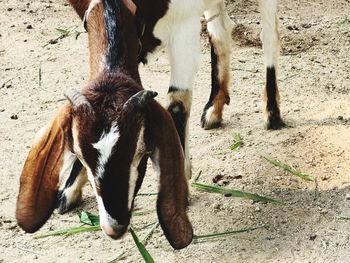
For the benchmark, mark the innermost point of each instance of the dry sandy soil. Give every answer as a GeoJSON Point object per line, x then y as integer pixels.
{"type": "Point", "coordinates": [315, 90]}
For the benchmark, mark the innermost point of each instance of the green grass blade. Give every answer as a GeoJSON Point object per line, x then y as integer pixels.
{"type": "Point", "coordinates": [143, 251]}
{"type": "Point", "coordinates": [343, 21]}
{"type": "Point", "coordinates": [147, 194]}
{"type": "Point", "coordinates": [234, 193]}
{"type": "Point", "coordinates": [289, 169]}
{"type": "Point", "coordinates": [221, 239]}
{"type": "Point", "coordinates": [70, 231]}
{"type": "Point", "coordinates": [89, 219]}
{"type": "Point", "coordinates": [226, 233]}
{"type": "Point", "coordinates": [216, 236]}
{"type": "Point", "coordinates": [144, 212]}
{"type": "Point", "coordinates": [197, 177]}
{"type": "Point", "coordinates": [237, 142]}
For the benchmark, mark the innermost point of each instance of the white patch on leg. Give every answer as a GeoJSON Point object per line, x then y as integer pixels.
{"type": "Point", "coordinates": [105, 146]}
{"type": "Point", "coordinates": [220, 29]}
{"type": "Point", "coordinates": [270, 31]}
{"type": "Point", "coordinates": [211, 118]}
{"type": "Point", "coordinates": [179, 30]}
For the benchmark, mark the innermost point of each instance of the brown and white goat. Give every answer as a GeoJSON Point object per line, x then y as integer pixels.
{"type": "Point", "coordinates": [175, 24]}
{"type": "Point", "coordinates": [106, 134]}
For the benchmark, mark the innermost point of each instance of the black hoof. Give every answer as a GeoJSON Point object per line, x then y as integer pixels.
{"type": "Point", "coordinates": [274, 122]}
{"type": "Point", "coordinates": [208, 125]}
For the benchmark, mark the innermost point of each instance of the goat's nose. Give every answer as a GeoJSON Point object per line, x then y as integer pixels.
{"type": "Point", "coordinates": [114, 231]}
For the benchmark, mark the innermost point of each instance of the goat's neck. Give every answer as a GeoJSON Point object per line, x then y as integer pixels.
{"type": "Point", "coordinates": [98, 44]}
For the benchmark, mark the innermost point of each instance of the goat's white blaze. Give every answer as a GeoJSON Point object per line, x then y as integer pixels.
{"type": "Point", "coordinates": [106, 221]}
{"type": "Point", "coordinates": [105, 146]}
{"type": "Point", "coordinates": [134, 174]}
{"type": "Point", "coordinates": [270, 32]}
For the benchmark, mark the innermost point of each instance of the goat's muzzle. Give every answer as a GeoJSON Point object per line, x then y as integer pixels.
{"type": "Point", "coordinates": [114, 231]}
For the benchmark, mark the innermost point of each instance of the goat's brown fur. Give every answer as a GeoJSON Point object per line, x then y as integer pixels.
{"type": "Point", "coordinates": [107, 94]}
{"type": "Point", "coordinates": [39, 180]}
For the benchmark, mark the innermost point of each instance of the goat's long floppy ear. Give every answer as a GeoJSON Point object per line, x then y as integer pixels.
{"type": "Point", "coordinates": [40, 176]}
{"type": "Point", "coordinates": [173, 190]}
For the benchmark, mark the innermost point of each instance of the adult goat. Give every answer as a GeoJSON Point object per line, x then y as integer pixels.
{"type": "Point", "coordinates": [175, 24]}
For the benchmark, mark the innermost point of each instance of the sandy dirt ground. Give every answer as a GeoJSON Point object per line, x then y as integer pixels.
{"type": "Point", "coordinates": [315, 90]}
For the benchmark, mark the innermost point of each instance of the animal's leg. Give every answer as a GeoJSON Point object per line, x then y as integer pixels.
{"type": "Point", "coordinates": [73, 178]}
{"type": "Point", "coordinates": [219, 29]}
{"type": "Point", "coordinates": [271, 45]}
{"type": "Point", "coordinates": [184, 51]}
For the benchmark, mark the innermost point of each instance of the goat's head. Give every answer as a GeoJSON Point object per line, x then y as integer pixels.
{"type": "Point", "coordinates": [108, 128]}
{"type": "Point", "coordinates": [108, 138]}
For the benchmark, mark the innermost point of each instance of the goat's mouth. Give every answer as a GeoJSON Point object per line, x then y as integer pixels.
{"type": "Point", "coordinates": [114, 231]}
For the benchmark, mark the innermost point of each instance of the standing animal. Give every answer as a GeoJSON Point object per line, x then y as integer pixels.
{"type": "Point", "coordinates": [105, 134]}
{"type": "Point", "coordinates": [175, 24]}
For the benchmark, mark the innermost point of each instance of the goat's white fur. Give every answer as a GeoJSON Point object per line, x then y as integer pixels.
{"type": "Point", "coordinates": [219, 29]}
{"type": "Point", "coordinates": [270, 35]}
{"type": "Point", "coordinates": [68, 162]}
{"type": "Point", "coordinates": [105, 146]}
{"type": "Point", "coordinates": [74, 191]}
{"type": "Point", "coordinates": [106, 221]}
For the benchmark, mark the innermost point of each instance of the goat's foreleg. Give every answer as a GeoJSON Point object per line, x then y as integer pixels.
{"type": "Point", "coordinates": [271, 45]}
{"type": "Point", "coordinates": [219, 29]}
{"type": "Point", "coordinates": [184, 51]}
{"type": "Point", "coordinates": [72, 179]}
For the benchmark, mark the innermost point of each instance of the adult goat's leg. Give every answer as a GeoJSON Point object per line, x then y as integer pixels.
{"type": "Point", "coordinates": [219, 29]}
{"type": "Point", "coordinates": [72, 180]}
{"type": "Point", "coordinates": [184, 51]}
{"type": "Point", "coordinates": [271, 46]}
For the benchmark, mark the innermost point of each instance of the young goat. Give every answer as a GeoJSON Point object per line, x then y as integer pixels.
{"type": "Point", "coordinates": [176, 25]}
{"type": "Point", "coordinates": [106, 133]}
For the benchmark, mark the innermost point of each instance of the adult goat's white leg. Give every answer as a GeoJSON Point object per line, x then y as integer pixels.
{"type": "Point", "coordinates": [271, 46]}
{"type": "Point", "coordinates": [184, 51]}
{"type": "Point", "coordinates": [219, 28]}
